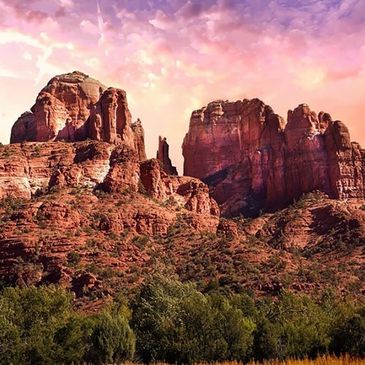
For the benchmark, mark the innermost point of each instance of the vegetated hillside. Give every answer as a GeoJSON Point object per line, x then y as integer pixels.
{"type": "Point", "coordinates": [99, 243]}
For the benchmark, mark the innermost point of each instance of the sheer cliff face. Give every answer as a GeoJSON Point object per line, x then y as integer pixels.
{"type": "Point", "coordinates": [75, 107]}
{"type": "Point", "coordinates": [223, 133]}
{"type": "Point", "coordinates": [252, 160]}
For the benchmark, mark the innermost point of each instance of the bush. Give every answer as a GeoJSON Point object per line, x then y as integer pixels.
{"type": "Point", "coordinates": [73, 258]}
{"type": "Point", "coordinates": [349, 335]}
{"type": "Point", "coordinates": [176, 323]}
{"type": "Point", "coordinates": [11, 205]}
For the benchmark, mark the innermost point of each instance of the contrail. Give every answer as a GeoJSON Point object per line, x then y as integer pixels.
{"type": "Point", "coordinates": [101, 26]}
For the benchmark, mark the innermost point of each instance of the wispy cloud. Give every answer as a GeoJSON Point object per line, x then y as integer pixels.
{"type": "Point", "coordinates": [8, 74]}
{"type": "Point", "coordinates": [100, 25]}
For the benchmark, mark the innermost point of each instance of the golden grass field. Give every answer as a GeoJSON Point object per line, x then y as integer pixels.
{"type": "Point", "coordinates": [323, 360]}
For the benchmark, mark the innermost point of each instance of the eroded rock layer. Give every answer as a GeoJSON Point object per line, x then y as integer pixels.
{"type": "Point", "coordinates": [35, 168]}
{"type": "Point", "coordinates": [252, 160]}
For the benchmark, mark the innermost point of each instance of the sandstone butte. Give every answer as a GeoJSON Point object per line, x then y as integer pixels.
{"type": "Point", "coordinates": [252, 159]}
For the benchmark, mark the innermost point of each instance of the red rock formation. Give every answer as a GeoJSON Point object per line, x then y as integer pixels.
{"type": "Point", "coordinates": [110, 118]}
{"type": "Point", "coordinates": [164, 158]}
{"type": "Point", "coordinates": [61, 109]}
{"type": "Point", "coordinates": [88, 186]}
{"type": "Point", "coordinates": [139, 145]}
{"type": "Point", "coordinates": [306, 162]}
{"type": "Point", "coordinates": [75, 107]}
{"type": "Point", "coordinates": [124, 171]}
{"type": "Point", "coordinates": [30, 169]}
{"type": "Point", "coordinates": [186, 192]}
{"type": "Point", "coordinates": [103, 243]}
{"type": "Point", "coordinates": [24, 128]}
{"type": "Point", "coordinates": [252, 160]}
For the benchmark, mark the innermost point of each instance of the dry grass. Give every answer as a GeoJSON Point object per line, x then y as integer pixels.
{"type": "Point", "coordinates": [323, 360]}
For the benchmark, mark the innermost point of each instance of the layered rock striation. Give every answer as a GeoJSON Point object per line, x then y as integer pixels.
{"type": "Point", "coordinates": [252, 159]}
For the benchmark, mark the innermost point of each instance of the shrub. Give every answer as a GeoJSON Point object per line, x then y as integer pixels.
{"type": "Point", "coordinates": [11, 205]}
{"type": "Point", "coordinates": [73, 258]}
{"type": "Point", "coordinates": [140, 241]}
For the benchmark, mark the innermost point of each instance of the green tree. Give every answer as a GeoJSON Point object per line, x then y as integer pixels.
{"type": "Point", "coordinates": [38, 326]}
{"type": "Point", "coordinates": [112, 340]}
{"type": "Point", "coordinates": [234, 330]}
{"type": "Point", "coordinates": [11, 350]}
{"type": "Point", "coordinates": [266, 340]}
{"type": "Point", "coordinates": [177, 324]}
{"type": "Point", "coordinates": [158, 322]}
{"type": "Point", "coordinates": [349, 335]}
{"type": "Point", "coordinates": [298, 328]}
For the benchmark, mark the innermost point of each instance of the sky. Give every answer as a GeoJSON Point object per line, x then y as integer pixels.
{"type": "Point", "coordinates": [174, 56]}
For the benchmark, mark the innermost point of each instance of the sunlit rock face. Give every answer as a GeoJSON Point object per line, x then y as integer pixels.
{"type": "Point", "coordinates": [253, 160]}
{"type": "Point", "coordinates": [34, 168]}
{"type": "Point", "coordinates": [61, 110]}
{"type": "Point", "coordinates": [75, 107]}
